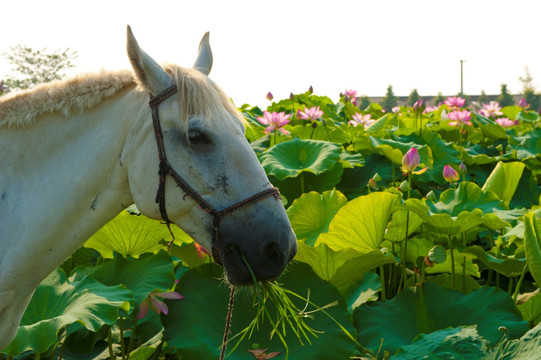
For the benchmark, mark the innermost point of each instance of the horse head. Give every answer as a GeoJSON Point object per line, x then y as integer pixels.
{"type": "Point", "coordinates": [202, 135]}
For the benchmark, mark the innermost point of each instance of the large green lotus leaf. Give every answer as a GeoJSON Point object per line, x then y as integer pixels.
{"type": "Point", "coordinates": [395, 150]}
{"type": "Point", "coordinates": [195, 325]}
{"type": "Point", "coordinates": [361, 292]}
{"type": "Point", "coordinates": [396, 231]}
{"type": "Point", "coordinates": [293, 188]}
{"type": "Point", "coordinates": [529, 145]}
{"type": "Point", "coordinates": [458, 343]}
{"type": "Point", "coordinates": [504, 180]}
{"type": "Point", "coordinates": [328, 132]}
{"type": "Point", "coordinates": [59, 302]}
{"type": "Point", "coordinates": [443, 222]}
{"type": "Point", "coordinates": [289, 159]}
{"type": "Point", "coordinates": [413, 312]}
{"type": "Point", "coordinates": [528, 347]}
{"type": "Point", "coordinates": [311, 214]}
{"type": "Point", "coordinates": [361, 223]}
{"type": "Point", "coordinates": [532, 247]}
{"type": "Point", "coordinates": [467, 197]}
{"type": "Point", "coordinates": [142, 276]}
{"type": "Point", "coordinates": [341, 267]}
{"type": "Point", "coordinates": [509, 267]}
{"type": "Point", "coordinates": [531, 310]}
{"type": "Point", "coordinates": [133, 235]}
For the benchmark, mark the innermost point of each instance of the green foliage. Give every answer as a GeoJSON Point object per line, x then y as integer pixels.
{"type": "Point", "coordinates": [483, 98]}
{"type": "Point", "coordinates": [34, 67]}
{"type": "Point", "coordinates": [389, 101]}
{"type": "Point", "coordinates": [413, 97]}
{"type": "Point", "coordinates": [505, 99]}
{"type": "Point", "coordinates": [366, 233]}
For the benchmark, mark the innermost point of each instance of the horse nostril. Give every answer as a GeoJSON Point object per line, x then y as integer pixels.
{"type": "Point", "coordinates": [273, 254]}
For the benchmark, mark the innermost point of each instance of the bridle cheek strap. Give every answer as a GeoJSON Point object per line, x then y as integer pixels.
{"type": "Point", "coordinates": [165, 170]}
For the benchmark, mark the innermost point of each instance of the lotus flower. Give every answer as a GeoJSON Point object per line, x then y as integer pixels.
{"type": "Point", "coordinates": [275, 121]}
{"type": "Point", "coordinates": [491, 110]}
{"type": "Point", "coordinates": [311, 114]}
{"type": "Point", "coordinates": [455, 102]}
{"type": "Point", "coordinates": [360, 119]}
{"type": "Point", "coordinates": [156, 304]}
{"type": "Point", "coordinates": [410, 161]}
{"type": "Point", "coordinates": [505, 122]}
{"type": "Point", "coordinates": [523, 104]}
{"type": "Point", "coordinates": [450, 174]}
{"type": "Point", "coordinates": [459, 117]}
{"type": "Point", "coordinates": [269, 96]}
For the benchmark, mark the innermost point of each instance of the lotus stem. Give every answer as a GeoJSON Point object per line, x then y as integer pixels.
{"type": "Point", "coordinates": [122, 346]}
{"type": "Point", "coordinates": [382, 281]}
{"type": "Point", "coordinates": [519, 283]}
{"type": "Point", "coordinates": [110, 343]}
{"type": "Point", "coordinates": [452, 263]}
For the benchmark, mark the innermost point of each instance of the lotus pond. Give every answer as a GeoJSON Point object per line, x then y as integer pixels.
{"type": "Point", "coordinates": [418, 237]}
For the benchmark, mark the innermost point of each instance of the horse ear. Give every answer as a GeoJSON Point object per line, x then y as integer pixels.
{"type": "Point", "coordinates": [147, 71]}
{"type": "Point", "coordinates": [203, 63]}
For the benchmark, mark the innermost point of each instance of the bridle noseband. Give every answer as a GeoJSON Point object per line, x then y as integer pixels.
{"type": "Point", "coordinates": [165, 169]}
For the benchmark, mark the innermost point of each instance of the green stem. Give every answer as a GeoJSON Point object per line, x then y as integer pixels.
{"type": "Point", "coordinates": [382, 281]}
{"type": "Point", "coordinates": [519, 283]}
{"type": "Point", "coordinates": [275, 137]}
{"type": "Point", "coordinates": [110, 343]}
{"type": "Point", "coordinates": [452, 263]}
{"type": "Point", "coordinates": [38, 356]}
{"type": "Point", "coordinates": [122, 345]}
{"type": "Point", "coordinates": [130, 344]}
{"type": "Point", "coordinates": [464, 265]}
{"type": "Point", "coordinates": [404, 277]}
{"type": "Point", "coordinates": [302, 182]}
{"type": "Point", "coordinates": [510, 286]}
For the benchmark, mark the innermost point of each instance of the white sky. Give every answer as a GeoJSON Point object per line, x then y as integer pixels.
{"type": "Point", "coordinates": [286, 46]}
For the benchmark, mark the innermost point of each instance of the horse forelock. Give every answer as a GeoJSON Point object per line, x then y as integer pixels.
{"type": "Point", "coordinates": [197, 96]}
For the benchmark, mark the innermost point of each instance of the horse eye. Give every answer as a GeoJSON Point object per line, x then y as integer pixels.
{"type": "Point", "coordinates": [198, 137]}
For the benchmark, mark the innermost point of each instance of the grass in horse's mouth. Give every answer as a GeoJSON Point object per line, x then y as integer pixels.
{"type": "Point", "coordinates": [273, 303]}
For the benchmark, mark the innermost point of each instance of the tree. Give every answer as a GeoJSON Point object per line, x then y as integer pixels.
{"type": "Point", "coordinates": [413, 97]}
{"type": "Point", "coordinates": [438, 99]}
{"type": "Point", "coordinates": [533, 99]}
{"type": "Point", "coordinates": [33, 67]}
{"type": "Point", "coordinates": [483, 98]}
{"type": "Point", "coordinates": [505, 99]}
{"type": "Point", "coordinates": [389, 101]}
{"type": "Point", "coordinates": [364, 102]}
{"type": "Point", "coordinates": [526, 80]}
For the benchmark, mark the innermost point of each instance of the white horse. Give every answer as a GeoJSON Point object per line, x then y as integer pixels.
{"type": "Point", "coordinates": [73, 154]}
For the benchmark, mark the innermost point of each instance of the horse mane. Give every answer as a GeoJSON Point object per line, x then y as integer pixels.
{"type": "Point", "coordinates": [197, 94]}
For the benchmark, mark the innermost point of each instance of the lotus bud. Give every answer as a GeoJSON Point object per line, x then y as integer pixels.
{"type": "Point", "coordinates": [523, 104]}
{"type": "Point", "coordinates": [450, 174]}
{"type": "Point", "coordinates": [269, 96]}
{"type": "Point", "coordinates": [410, 161]}
{"type": "Point", "coordinates": [311, 89]}
{"type": "Point", "coordinates": [462, 168]}
{"type": "Point", "coordinates": [419, 106]}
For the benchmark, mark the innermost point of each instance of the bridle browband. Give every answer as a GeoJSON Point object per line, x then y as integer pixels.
{"type": "Point", "coordinates": [166, 169]}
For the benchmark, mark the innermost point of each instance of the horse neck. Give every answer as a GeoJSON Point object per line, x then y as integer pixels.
{"type": "Point", "coordinates": [67, 170]}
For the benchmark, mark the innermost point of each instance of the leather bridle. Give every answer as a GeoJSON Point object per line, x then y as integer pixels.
{"type": "Point", "coordinates": [165, 169]}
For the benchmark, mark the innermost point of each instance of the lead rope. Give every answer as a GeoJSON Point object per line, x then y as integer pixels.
{"type": "Point", "coordinates": [228, 322]}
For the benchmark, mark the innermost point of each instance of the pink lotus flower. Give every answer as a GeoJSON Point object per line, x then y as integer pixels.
{"type": "Point", "coordinates": [431, 109]}
{"type": "Point", "coordinates": [491, 110]}
{"type": "Point", "coordinates": [274, 121]}
{"type": "Point", "coordinates": [269, 96]}
{"type": "Point", "coordinates": [360, 119]}
{"type": "Point", "coordinates": [395, 109]}
{"type": "Point", "coordinates": [351, 95]}
{"type": "Point", "coordinates": [410, 161]}
{"type": "Point", "coordinates": [156, 304]}
{"type": "Point", "coordinates": [505, 122]}
{"type": "Point", "coordinates": [459, 117]}
{"type": "Point", "coordinates": [311, 114]}
{"type": "Point", "coordinates": [455, 102]}
{"type": "Point", "coordinates": [523, 104]}
{"type": "Point", "coordinates": [450, 174]}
